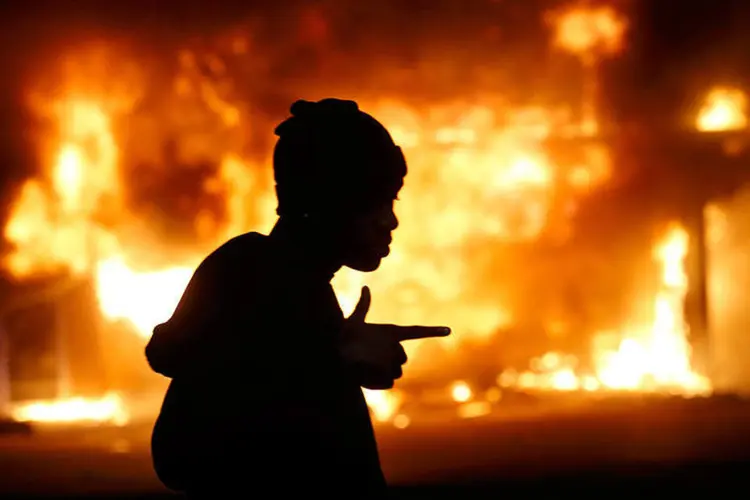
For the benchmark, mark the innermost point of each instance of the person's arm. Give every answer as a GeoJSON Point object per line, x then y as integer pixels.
{"type": "Point", "coordinates": [185, 341]}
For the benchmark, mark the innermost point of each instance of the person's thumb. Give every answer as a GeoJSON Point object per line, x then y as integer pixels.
{"type": "Point", "coordinates": [363, 306]}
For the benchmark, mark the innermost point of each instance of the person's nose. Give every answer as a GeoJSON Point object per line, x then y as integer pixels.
{"type": "Point", "coordinates": [390, 221]}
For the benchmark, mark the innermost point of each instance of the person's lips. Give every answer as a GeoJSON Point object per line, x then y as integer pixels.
{"type": "Point", "coordinates": [385, 247]}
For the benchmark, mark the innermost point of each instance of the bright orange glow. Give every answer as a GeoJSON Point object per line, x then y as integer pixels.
{"type": "Point", "coordinates": [109, 409]}
{"type": "Point", "coordinates": [384, 404]}
{"type": "Point", "coordinates": [655, 358]}
{"type": "Point", "coordinates": [583, 30]}
{"type": "Point", "coordinates": [481, 179]}
{"type": "Point", "coordinates": [723, 109]}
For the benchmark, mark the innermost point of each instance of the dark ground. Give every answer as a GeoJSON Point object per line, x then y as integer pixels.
{"type": "Point", "coordinates": [612, 447]}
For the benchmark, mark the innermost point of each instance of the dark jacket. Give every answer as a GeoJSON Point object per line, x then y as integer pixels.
{"type": "Point", "coordinates": [259, 397]}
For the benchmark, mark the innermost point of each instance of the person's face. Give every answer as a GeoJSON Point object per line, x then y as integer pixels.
{"type": "Point", "coordinates": [366, 237]}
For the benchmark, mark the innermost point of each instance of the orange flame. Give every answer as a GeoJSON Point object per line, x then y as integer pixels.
{"type": "Point", "coordinates": [109, 409]}
{"type": "Point", "coordinates": [585, 30]}
{"type": "Point", "coordinates": [651, 359]}
{"type": "Point", "coordinates": [723, 109]}
{"type": "Point", "coordinates": [479, 175]}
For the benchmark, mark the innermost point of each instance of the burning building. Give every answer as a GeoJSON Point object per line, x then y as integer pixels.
{"type": "Point", "coordinates": [514, 227]}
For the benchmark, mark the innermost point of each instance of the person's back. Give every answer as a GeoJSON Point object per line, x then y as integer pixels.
{"type": "Point", "coordinates": [266, 371]}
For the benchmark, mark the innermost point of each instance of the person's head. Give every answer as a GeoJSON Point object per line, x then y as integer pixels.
{"type": "Point", "coordinates": [338, 173]}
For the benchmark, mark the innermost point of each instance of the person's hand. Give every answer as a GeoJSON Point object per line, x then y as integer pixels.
{"type": "Point", "coordinates": [373, 351]}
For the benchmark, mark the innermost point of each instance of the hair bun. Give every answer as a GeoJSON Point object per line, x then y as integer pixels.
{"type": "Point", "coordinates": [302, 108]}
{"type": "Point", "coordinates": [306, 109]}
{"type": "Point", "coordinates": [306, 112]}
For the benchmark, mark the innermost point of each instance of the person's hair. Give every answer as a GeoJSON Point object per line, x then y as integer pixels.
{"type": "Point", "coordinates": [331, 157]}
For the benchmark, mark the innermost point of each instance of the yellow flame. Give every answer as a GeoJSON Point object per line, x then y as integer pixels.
{"type": "Point", "coordinates": [583, 30]}
{"type": "Point", "coordinates": [724, 109]}
{"type": "Point", "coordinates": [383, 404]}
{"type": "Point", "coordinates": [109, 409]}
{"type": "Point", "coordinates": [658, 358]}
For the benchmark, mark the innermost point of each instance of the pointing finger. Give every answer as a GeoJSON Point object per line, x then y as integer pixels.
{"type": "Point", "coordinates": [403, 333]}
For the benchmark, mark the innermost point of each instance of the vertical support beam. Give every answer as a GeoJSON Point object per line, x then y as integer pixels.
{"type": "Point", "coordinates": [5, 389]}
{"type": "Point", "coordinates": [696, 302]}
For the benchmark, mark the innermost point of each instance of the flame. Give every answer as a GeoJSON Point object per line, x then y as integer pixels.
{"type": "Point", "coordinates": [108, 409]}
{"type": "Point", "coordinates": [502, 186]}
{"type": "Point", "coordinates": [585, 30]}
{"type": "Point", "coordinates": [652, 359]}
{"type": "Point", "coordinates": [54, 222]}
{"type": "Point", "coordinates": [723, 109]}
{"type": "Point", "coordinates": [61, 228]}
{"type": "Point", "coordinates": [589, 33]}
{"type": "Point", "coordinates": [480, 177]}
{"type": "Point", "coordinates": [384, 404]}
{"type": "Point", "coordinates": [144, 298]}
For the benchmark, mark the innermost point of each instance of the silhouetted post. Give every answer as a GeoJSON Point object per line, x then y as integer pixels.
{"type": "Point", "coordinates": [5, 390]}
{"type": "Point", "coordinates": [705, 167]}
{"type": "Point", "coordinates": [696, 301]}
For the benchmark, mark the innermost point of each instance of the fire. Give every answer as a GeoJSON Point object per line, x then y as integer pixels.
{"type": "Point", "coordinates": [582, 30]}
{"type": "Point", "coordinates": [109, 409]}
{"type": "Point", "coordinates": [57, 221]}
{"type": "Point", "coordinates": [723, 109]}
{"type": "Point", "coordinates": [656, 358]}
{"type": "Point", "coordinates": [495, 184]}
{"type": "Point", "coordinates": [480, 177]}
{"type": "Point", "coordinates": [144, 298]}
{"type": "Point", "coordinates": [53, 225]}
{"type": "Point", "coordinates": [384, 404]}
{"type": "Point", "coordinates": [461, 392]}
{"type": "Point", "coordinates": [589, 33]}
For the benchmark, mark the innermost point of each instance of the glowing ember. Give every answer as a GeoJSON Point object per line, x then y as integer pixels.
{"type": "Point", "coordinates": [723, 109]}
{"type": "Point", "coordinates": [461, 392]}
{"type": "Point", "coordinates": [109, 409]}
{"type": "Point", "coordinates": [401, 421]}
{"type": "Point", "coordinates": [474, 409]}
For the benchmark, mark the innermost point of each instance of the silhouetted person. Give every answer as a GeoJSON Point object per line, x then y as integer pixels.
{"type": "Point", "coordinates": [266, 372]}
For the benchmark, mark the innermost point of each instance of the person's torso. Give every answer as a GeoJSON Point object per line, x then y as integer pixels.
{"type": "Point", "coordinates": [237, 402]}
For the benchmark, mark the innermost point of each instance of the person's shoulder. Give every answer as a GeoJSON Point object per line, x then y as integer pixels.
{"type": "Point", "coordinates": [241, 256]}
{"type": "Point", "coordinates": [245, 246]}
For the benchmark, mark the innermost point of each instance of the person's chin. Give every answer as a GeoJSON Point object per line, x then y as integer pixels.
{"type": "Point", "coordinates": [366, 265]}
